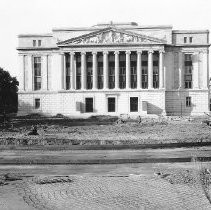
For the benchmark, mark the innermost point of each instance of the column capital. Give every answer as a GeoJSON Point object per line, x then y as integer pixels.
{"type": "Point", "coordinates": [72, 53]}
{"type": "Point", "coordinates": [83, 53]}
{"type": "Point", "coordinates": [128, 52]}
{"type": "Point", "coordinates": [150, 51]}
{"type": "Point", "coordinates": [161, 51]}
{"type": "Point", "coordinates": [139, 51]}
{"type": "Point", "coordinates": [94, 52]}
{"type": "Point", "coordinates": [116, 52]}
{"type": "Point", "coordinates": [105, 52]}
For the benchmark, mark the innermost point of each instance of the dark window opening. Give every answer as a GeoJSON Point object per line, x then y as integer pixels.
{"type": "Point", "coordinates": [39, 43]}
{"type": "Point", "coordinates": [155, 74]}
{"type": "Point", "coordinates": [190, 39]}
{"type": "Point", "coordinates": [111, 104]}
{"type": "Point", "coordinates": [134, 104]}
{"type": "Point", "coordinates": [188, 71]}
{"type": "Point", "coordinates": [144, 77]}
{"type": "Point", "coordinates": [67, 59]}
{"type": "Point", "coordinates": [185, 39]}
{"type": "Point", "coordinates": [89, 104]}
{"type": "Point", "coordinates": [111, 71]}
{"type": "Point", "coordinates": [89, 71]}
{"type": "Point", "coordinates": [37, 73]}
{"type": "Point", "coordinates": [78, 71]}
{"type": "Point", "coordinates": [37, 103]}
{"type": "Point", "coordinates": [122, 70]}
{"type": "Point", "coordinates": [34, 43]}
{"type": "Point", "coordinates": [188, 101]}
{"type": "Point", "coordinates": [133, 70]}
{"type": "Point", "coordinates": [100, 71]}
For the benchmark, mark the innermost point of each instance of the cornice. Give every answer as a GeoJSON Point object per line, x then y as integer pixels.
{"type": "Point", "coordinates": [37, 48]}
{"type": "Point", "coordinates": [34, 35]}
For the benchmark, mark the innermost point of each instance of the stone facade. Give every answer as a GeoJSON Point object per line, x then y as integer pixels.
{"type": "Point", "coordinates": [113, 69]}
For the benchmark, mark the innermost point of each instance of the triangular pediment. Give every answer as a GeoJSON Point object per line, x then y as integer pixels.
{"type": "Point", "coordinates": [111, 35]}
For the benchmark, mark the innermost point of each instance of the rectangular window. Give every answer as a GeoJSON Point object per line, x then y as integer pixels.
{"type": "Point", "coordinates": [100, 70]}
{"type": "Point", "coordinates": [78, 72]}
{"type": "Point", "coordinates": [111, 104]}
{"type": "Point", "coordinates": [89, 104]}
{"type": "Point", "coordinates": [67, 59]}
{"type": "Point", "coordinates": [190, 39]}
{"type": "Point", "coordinates": [89, 71]}
{"type": "Point", "coordinates": [134, 104]}
{"type": "Point", "coordinates": [122, 77]}
{"type": "Point", "coordinates": [188, 101]}
{"type": "Point", "coordinates": [133, 71]}
{"type": "Point", "coordinates": [111, 77]}
{"type": "Point", "coordinates": [34, 43]}
{"type": "Point", "coordinates": [37, 103]}
{"type": "Point", "coordinates": [185, 39]}
{"type": "Point", "coordinates": [37, 73]}
{"type": "Point", "coordinates": [144, 77]}
{"type": "Point", "coordinates": [39, 43]}
{"type": "Point", "coordinates": [188, 71]}
{"type": "Point", "coordinates": [210, 104]}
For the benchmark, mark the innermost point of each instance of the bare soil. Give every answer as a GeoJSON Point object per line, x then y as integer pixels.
{"type": "Point", "coordinates": [104, 130]}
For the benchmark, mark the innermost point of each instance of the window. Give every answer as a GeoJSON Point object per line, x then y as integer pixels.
{"type": "Point", "coordinates": [37, 73]}
{"type": "Point", "coordinates": [78, 71]}
{"type": "Point", "coordinates": [185, 39]}
{"type": "Point", "coordinates": [122, 70]}
{"type": "Point", "coordinates": [210, 104]}
{"type": "Point", "coordinates": [37, 103]}
{"type": "Point", "coordinates": [190, 39]}
{"type": "Point", "coordinates": [188, 101]}
{"type": "Point", "coordinates": [34, 43]}
{"type": "Point", "coordinates": [89, 76]}
{"type": "Point", "coordinates": [133, 71]}
{"type": "Point", "coordinates": [111, 77]}
{"type": "Point", "coordinates": [111, 104]}
{"type": "Point", "coordinates": [67, 59]}
{"type": "Point", "coordinates": [155, 74]}
{"type": "Point", "coordinates": [134, 104]}
{"type": "Point", "coordinates": [144, 74]}
{"type": "Point", "coordinates": [39, 43]}
{"type": "Point", "coordinates": [100, 70]}
{"type": "Point", "coordinates": [89, 104]}
{"type": "Point", "coordinates": [188, 71]}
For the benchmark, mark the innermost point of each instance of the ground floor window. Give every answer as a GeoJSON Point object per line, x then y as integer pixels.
{"type": "Point", "coordinates": [89, 104]}
{"type": "Point", "coordinates": [134, 104]}
{"type": "Point", "coordinates": [210, 104]}
{"type": "Point", "coordinates": [37, 103]}
{"type": "Point", "coordinates": [188, 101]}
{"type": "Point", "coordinates": [111, 104]}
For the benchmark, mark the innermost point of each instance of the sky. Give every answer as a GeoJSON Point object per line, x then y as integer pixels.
{"type": "Point", "coordinates": [40, 16]}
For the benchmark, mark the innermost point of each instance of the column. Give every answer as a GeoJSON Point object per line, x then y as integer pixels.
{"type": "Point", "coordinates": [150, 69]}
{"type": "Point", "coordinates": [83, 70]}
{"type": "Point", "coordinates": [30, 78]}
{"type": "Point", "coordinates": [94, 69]}
{"type": "Point", "coordinates": [116, 69]}
{"type": "Point", "coordinates": [128, 69]}
{"type": "Point", "coordinates": [205, 74]}
{"type": "Point", "coordinates": [62, 70]}
{"type": "Point", "coordinates": [72, 71]}
{"type": "Point", "coordinates": [105, 69]}
{"type": "Point", "coordinates": [21, 59]}
{"type": "Point", "coordinates": [139, 69]}
{"type": "Point", "coordinates": [195, 59]}
{"type": "Point", "coordinates": [181, 71]}
{"type": "Point", "coordinates": [44, 72]}
{"type": "Point", "coordinates": [161, 69]}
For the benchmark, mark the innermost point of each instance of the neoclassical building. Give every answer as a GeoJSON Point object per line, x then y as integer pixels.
{"type": "Point", "coordinates": [113, 69]}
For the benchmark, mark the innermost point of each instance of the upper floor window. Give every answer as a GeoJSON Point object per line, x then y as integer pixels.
{"type": "Point", "coordinates": [34, 43]}
{"type": "Point", "coordinates": [188, 70]}
{"type": "Point", "coordinates": [39, 43]}
{"type": "Point", "coordinates": [190, 39]}
{"type": "Point", "coordinates": [37, 73]}
{"type": "Point", "coordinates": [185, 39]}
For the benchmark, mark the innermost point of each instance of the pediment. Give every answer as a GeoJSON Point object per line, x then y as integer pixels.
{"type": "Point", "coordinates": [111, 35]}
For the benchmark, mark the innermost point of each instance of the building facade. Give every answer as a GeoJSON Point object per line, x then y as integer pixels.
{"type": "Point", "coordinates": [113, 69]}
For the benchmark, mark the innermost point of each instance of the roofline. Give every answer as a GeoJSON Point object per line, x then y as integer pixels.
{"type": "Point", "coordinates": [189, 31]}
{"type": "Point", "coordinates": [95, 28]}
{"type": "Point", "coordinates": [37, 48]}
{"type": "Point", "coordinates": [34, 35]}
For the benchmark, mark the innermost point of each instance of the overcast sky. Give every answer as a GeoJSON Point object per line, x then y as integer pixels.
{"type": "Point", "coordinates": [40, 16]}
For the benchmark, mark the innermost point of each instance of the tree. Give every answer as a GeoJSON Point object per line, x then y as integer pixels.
{"type": "Point", "coordinates": [8, 93]}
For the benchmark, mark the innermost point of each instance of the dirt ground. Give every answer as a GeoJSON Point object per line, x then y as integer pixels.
{"type": "Point", "coordinates": [163, 186]}
{"type": "Point", "coordinates": [104, 130]}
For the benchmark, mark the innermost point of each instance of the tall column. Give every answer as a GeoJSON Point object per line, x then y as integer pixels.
{"type": "Point", "coordinates": [128, 69]}
{"type": "Point", "coordinates": [205, 70]}
{"type": "Point", "coordinates": [21, 59]}
{"type": "Point", "coordinates": [105, 69]}
{"type": "Point", "coordinates": [150, 69]}
{"type": "Point", "coordinates": [139, 69]}
{"type": "Point", "coordinates": [181, 71]}
{"type": "Point", "coordinates": [94, 69]}
{"type": "Point", "coordinates": [195, 59]}
{"type": "Point", "coordinates": [44, 72]}
{"type": "Point", "coordinates": [30, 78]}
{"type": "Point", "coordinates": [62, 70]}
{"type": "Point", "coordinates": [83, 70]}
{"type": "Point", "coordinates": [116, 69]}
{"type": "Point", "coordinates": [72, 71]}
{"type": "Point", "coordinates": [161, 69]}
